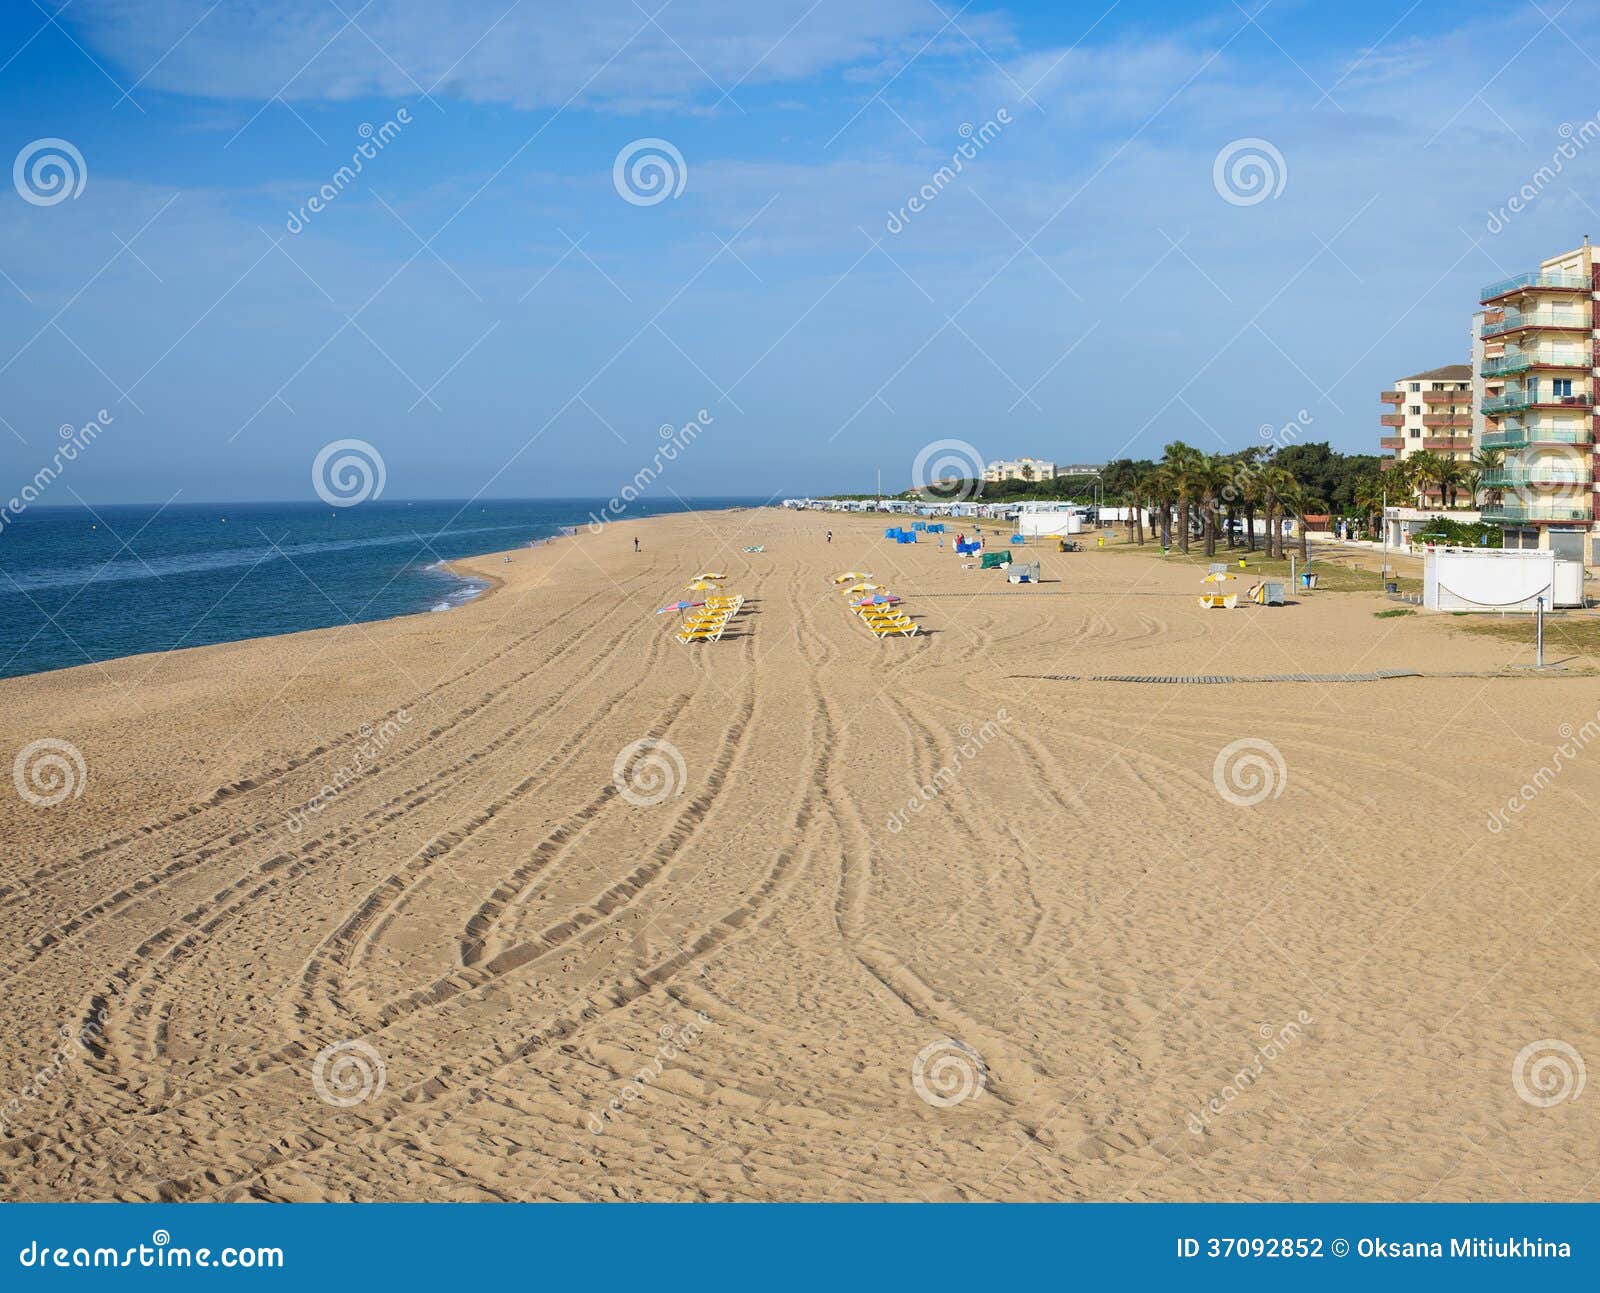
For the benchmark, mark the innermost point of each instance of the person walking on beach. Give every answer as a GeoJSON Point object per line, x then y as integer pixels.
{"type": "Point", "coordinates": [636, 543]}
{"type": "Point", "coordinates": [830, 536]}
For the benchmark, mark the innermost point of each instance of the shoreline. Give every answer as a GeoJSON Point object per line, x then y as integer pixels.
{"type": "Point", "coordinates": [487, 574]}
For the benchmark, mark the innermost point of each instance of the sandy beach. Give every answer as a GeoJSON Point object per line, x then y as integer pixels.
{"type": "Point", "coordinates": [750, 969]}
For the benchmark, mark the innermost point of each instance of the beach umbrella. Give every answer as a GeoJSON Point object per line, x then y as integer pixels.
{"type": "Point", "coordinates": [678, 606]}
{"type": "Point", "coordinates": [710, 574]}
{"type": "Point", "coordinates": [864, 588]}
{"type": "Point", "coordinates": [701, 586]}
{"type": "Point", "coordinates": [852, 574]}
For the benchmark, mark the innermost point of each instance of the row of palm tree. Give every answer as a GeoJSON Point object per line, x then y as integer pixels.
{"type": "Point", "coordinates": [1450, 478]}
{"type": "Point", "coordinates": [1412, 478]}
{"type": "Point", "coordinates": [1204, 496]}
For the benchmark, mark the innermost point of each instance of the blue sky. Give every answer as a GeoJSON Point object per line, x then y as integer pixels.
{"type": "Point", "coordinates": [483, 305]}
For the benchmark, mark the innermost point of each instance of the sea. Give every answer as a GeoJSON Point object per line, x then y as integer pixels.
{"type": "Point", "coordinates": [80, 585]}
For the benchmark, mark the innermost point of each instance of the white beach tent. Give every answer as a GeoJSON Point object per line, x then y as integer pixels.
{"type": "Point", "coordinates": [1498, 579]}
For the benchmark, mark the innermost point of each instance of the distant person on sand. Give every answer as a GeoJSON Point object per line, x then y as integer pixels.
{"type": "Point", "coordinates": [636, 544]}
{"type": "Point", "coordinates": [830, 536]}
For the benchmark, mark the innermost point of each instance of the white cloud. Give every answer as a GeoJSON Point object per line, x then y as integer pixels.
{"type": "Point", "coordinates": [532, 54]}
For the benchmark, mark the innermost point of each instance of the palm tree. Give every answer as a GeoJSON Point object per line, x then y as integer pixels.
{"type": "Point", "coordinates": [1298, 500]}
{"type": "Point", "coordinates": [1180, 458]}
{"type": "Point", "coordinates": [1488, 463]}
{"type": "Point", "coordinates": [1253, 493]}
{"type": "Point", "coordinates": [1369, 498]}
{"type": "Point", "coordinates": [1277, 485]}
{"type": "Point", "coordinates": [1208, 476]}
{"type": "Point", "coordinates": [1451, 479]}
{"type": "Point", "coordinates": [1162, 490]}
{"type": "Point", "coordinates": [1428, 470]}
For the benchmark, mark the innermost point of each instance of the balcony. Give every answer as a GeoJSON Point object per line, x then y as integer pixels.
{"type": "Point", "coordinates": [1512, 401]}
{"type": "Point", "coordinates": [1534, 283]}
{"type": "Point", "coordinates": [1447, 444]}
{"type": "Point", "coordinates": [1520, 361]}
{"type": "Point", "coordinates": [1521, 477]}
{"type": "Point", "coordinates": [1502, 513]}
{"type": "Point", "coordinates": [1538, 433]}
{"type": "Point", "coordinates": [1392, 420]}
{"type": "Point", "coordinates": [1452, 421]}
{"type": "Point", "coordinates": [1447, 397]}
{"type": "Point", "coordinates": [1391, 397]}
{"type": "Point", "coordinates": [1392, 442]}
{"type": "Point", "coordinates": [1514, 321]}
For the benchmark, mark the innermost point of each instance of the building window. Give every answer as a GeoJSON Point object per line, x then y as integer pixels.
{"type": "Point", "coordinates": [1416, 386]}
{"type": "Point", "coordinates": [1562, 386]}
{"type": "Point", "coordinates": [1415, 434]}
{"type": "Point", "coordinates": [1415, 408]}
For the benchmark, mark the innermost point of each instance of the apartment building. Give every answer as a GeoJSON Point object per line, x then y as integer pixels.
{"type": "Point", "coordinates": [1019, 469]}
{"type": "Point", "coordinates": [1431, 411]}
{"type": "Point", "coordinates": [1538, 402]}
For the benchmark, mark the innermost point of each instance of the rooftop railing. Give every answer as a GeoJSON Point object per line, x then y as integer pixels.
{"type": "Point", "coordinates": [1524, 282]}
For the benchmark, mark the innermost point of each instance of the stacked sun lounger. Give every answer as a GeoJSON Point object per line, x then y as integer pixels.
{"type": "Point", "coordinates": [706, 623]}
{"type": "Point", "coordinates": [878, 609]}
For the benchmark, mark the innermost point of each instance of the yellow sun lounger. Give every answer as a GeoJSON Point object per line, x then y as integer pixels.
{"type": "Point", "coordinates": [1219, 601]}
{"type": "Point", "coordinates": [703, 630]}
{"type": "Point", "coordinates": [882, 630]}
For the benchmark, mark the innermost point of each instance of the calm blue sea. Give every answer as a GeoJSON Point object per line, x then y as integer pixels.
{"type": "Point", "coordinates": [78, 585]}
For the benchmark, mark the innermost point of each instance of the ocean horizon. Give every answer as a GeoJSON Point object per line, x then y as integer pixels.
{"type": "Point", "coordinates": [79, 585]}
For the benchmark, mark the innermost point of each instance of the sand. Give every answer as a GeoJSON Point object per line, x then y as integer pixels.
{"type": "Point", "coordinates": [1078, 970]}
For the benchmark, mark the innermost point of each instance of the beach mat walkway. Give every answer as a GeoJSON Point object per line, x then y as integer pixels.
{"type": "Point", "coordinates": [1378, 675]}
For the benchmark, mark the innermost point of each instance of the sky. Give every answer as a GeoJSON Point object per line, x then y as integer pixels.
{"type": "Point", "coordinates": [830, 233]}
